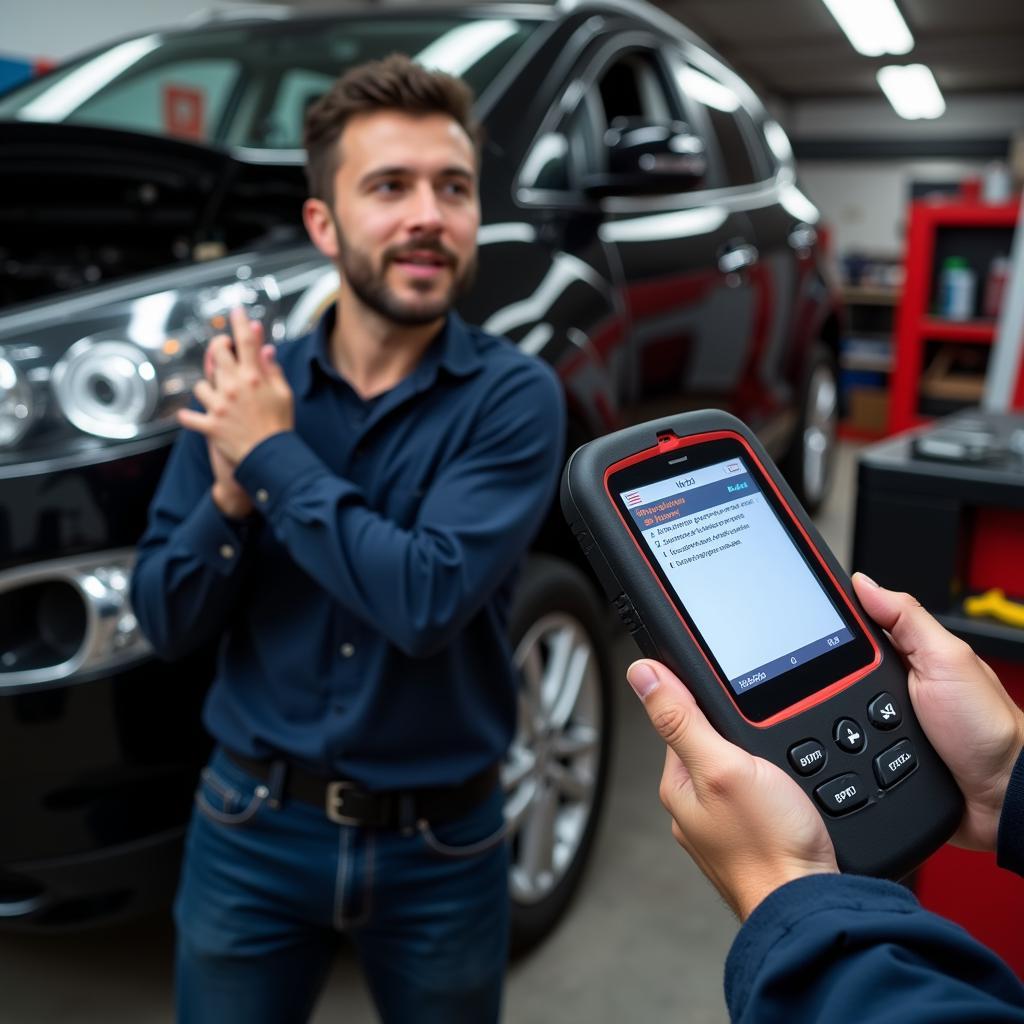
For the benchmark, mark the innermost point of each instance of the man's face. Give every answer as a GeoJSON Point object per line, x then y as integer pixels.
{"type": "Point", "coordinates": [406, 213]}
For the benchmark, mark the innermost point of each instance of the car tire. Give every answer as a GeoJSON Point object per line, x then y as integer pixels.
{"type": "Point", "coordinates": [809, 462]}
{"type": "Point", "coordinates": [555, 773]}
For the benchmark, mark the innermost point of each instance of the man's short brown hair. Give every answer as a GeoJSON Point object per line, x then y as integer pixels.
{"type": "Point", "coordinates": [394, 83]}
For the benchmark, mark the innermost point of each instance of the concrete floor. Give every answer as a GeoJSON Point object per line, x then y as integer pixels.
{"type": "Point", "coordinates": [645, 939]}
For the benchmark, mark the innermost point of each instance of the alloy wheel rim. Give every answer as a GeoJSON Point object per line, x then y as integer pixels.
{"type": "Point", "coordinates": [550, 774]}
{"type": "Point", "coordinates": [819, 435]}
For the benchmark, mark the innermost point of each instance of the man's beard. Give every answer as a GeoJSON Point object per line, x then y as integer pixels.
{"type": "Point", "coordinates": [371, 288]}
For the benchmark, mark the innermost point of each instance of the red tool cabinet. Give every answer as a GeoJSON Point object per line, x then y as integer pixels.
{"type": "Point", "coordinates": [925, 380]}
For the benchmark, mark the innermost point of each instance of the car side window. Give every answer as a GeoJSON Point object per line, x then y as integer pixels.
{"type": "Point", "coordinates": [184, 99]}
{"type": "Point", "coordinates": [631, 87]}
{"type": "Point", "coordinates": [728, 121]}
{"type": "Point", "coordinates": [547, 164]}
{"type": "Point", "coordinates": [281, 128]}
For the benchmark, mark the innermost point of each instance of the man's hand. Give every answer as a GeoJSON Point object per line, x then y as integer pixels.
{"type": "Point", "coordinates": [248, 399]}
{"type": "Point", "coordinates": [749, 826]}
{"type": "Point", "coordinates": [970, 719]}
{"type": "Point", "coordinates": [228, 495]}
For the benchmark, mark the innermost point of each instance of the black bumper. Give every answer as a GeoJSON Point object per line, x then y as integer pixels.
{"type": "Point", "coordinates": [98, 778]}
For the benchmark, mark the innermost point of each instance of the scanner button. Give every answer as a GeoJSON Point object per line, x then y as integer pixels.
{"type": "Point", "coordinates": [895, 763]}
{"type": "Point", "coordinates": [849, 736]}
{"type": "Point", "coordinates": [884, 712]}
{"type": "Point", "coordinates": [807, 757]}
{"type": "Point", "coordinates": [842, 794]}
{"type": "Point", "coordinates": [627, 613]}
{"type": "Point", "coordinates": [586, 542]}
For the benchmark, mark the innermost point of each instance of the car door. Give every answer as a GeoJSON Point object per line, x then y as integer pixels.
{"type": "Point", "coordinates": [549, 281]}
{"type": "Point", "coordinates": [667, 248]}
{"type": "Point", "coordinates": [757, 374]}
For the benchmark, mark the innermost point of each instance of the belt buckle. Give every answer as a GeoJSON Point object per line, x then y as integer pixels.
{"type": "Point", "coordinates": [335, 801]}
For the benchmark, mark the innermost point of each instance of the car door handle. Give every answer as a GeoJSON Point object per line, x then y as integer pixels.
{"type": "Point", "coordinates": [803, 237]}
{"type": "Point", "coordinates": [737, 257]}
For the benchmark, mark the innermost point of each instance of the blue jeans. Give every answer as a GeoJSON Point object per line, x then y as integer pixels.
{"type": "Point", "coordinates": [265, 893]}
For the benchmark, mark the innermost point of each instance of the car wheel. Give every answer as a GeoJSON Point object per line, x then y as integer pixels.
{"type": "Point", "coordinates": [808, 463]}
{"type": "Point", "coordinates": [554, 776]}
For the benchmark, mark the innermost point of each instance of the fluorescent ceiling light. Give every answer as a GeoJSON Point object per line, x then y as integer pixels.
{"type": "Point", "coordinates": [912, 91]}
{"type": "Point", "coordinates": [874, 27]}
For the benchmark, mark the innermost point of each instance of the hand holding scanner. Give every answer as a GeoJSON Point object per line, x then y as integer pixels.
{"type": "Point", "coordinates": [719, 573]}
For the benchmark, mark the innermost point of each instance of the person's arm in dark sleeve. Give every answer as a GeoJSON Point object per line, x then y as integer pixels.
{"type": "Point", "coordinates": [840, 948]}
{"type": "Point", "coordinates": [189, 561]}
{"type": "Point", "coordinates": [817, 946]}
{"type": "Point", "coordinates": [419, 586]}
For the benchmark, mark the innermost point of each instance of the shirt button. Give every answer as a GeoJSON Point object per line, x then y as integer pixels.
{"type": "Point", "coordinates": [262, 496]}
{"type": "Point", "coordinates": [227, 551]}
{"type": "Point", "coordinates": [347, 650]}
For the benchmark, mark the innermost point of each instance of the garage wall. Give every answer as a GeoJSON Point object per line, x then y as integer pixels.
{"type": "Point", "coordinates": [864, 200]}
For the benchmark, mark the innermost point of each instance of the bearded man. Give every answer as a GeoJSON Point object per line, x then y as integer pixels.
{"type": "Point", "coordinates": [345, 514]}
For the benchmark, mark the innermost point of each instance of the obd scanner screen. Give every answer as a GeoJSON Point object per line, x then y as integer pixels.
{"type": "Point", "coordinates": [762, 606]}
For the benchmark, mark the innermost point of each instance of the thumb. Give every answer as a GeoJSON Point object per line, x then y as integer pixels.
{"type": "Point", "coordinates": [680, 723]}
{"type": "Point", "coordinates": [929, 647]}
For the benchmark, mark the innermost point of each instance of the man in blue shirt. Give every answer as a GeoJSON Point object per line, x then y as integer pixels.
{"type": "Point", "coordinates": [816, 945]}
{"type": "Point", "coordinates": [346, 514]}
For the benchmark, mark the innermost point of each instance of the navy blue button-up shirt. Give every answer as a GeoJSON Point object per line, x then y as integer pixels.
{"type": "Point", "coordinates": [362, 608]}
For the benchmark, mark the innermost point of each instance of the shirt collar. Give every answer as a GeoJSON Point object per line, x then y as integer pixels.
{"type": "Point", "coordinates": [454, 350]}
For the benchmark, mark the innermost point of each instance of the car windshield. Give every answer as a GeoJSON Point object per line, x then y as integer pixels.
{"type": "Point", "coordinates": [251, 85]}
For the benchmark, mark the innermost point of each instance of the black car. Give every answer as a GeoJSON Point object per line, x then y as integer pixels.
{"type": "Point", "coordinates": [642, 231]}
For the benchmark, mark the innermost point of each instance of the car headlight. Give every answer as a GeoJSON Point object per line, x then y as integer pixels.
{"type": "Point", "coordinates": [107, 388]}
{"type": "Point", "coordinates": [17, 407]}
{"type": "Point", "coordinates": [112, 365]}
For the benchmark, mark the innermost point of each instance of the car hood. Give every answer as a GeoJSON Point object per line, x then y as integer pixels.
{"type": "Point", "coordinates": [80, 205]}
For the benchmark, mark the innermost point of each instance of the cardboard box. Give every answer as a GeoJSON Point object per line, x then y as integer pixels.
{"type": "Point", "coordinates": [869, 409]}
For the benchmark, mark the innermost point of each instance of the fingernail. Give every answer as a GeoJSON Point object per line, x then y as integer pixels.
{"type": "Point", "coordinates": [868, 578]}
{"type": "Point", "coordinates": [642, 678]}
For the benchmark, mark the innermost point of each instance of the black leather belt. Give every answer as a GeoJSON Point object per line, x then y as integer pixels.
{"type": "Point", "coordinates": [348, 803]}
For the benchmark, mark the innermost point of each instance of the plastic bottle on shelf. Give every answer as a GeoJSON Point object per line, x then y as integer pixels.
{"type": "Point", "coordinates": [996, 184]}
{"type": "Point", "coordinates": [957, 284]}
{"type": "Point", "coordinates": [995, 286]}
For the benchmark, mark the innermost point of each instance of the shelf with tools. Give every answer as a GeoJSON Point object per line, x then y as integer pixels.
{"type": "Point", "coordinates": [865, 356]}
{"type": "Point", "coordinates": [955, 273]}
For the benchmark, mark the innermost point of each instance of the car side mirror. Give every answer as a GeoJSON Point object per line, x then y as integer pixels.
{"type": "Point", "coordinates": [648, 159]}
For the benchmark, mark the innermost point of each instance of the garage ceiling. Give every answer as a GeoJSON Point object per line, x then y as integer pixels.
{"type": "Point", "coordinates": [795, 49]}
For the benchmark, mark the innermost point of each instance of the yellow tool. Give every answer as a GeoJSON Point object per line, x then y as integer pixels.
{"type": "Point", "coordinates": [995, 604]}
